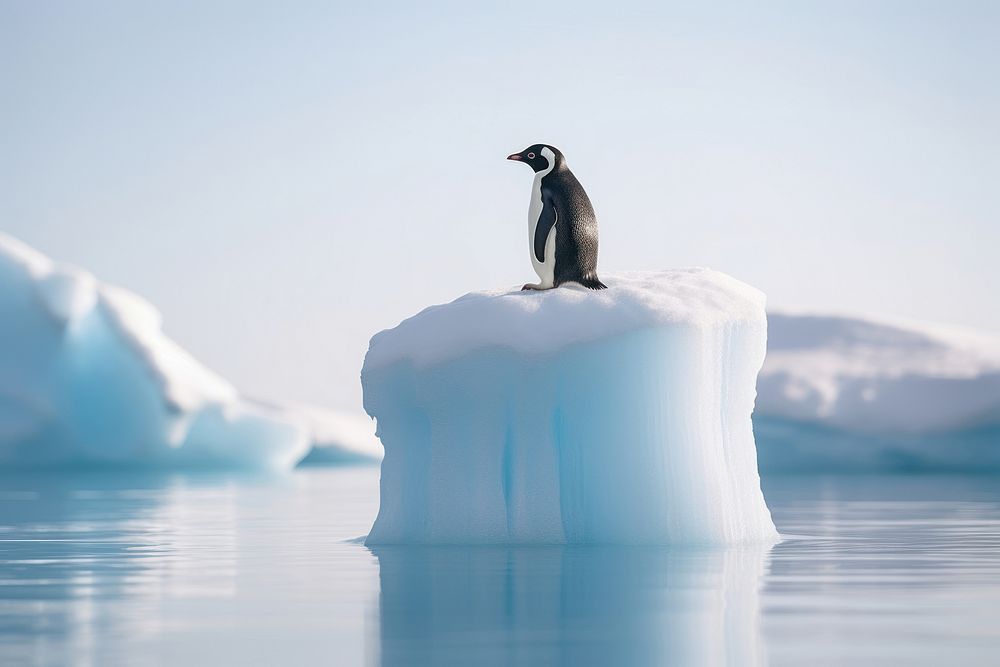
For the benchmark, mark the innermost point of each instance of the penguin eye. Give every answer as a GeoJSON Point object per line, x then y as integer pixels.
{"type": "Point", "coordinates": [531, 156]}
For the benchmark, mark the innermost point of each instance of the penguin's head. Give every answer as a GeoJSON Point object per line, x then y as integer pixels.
{"type": "Point", "coordinates": [538, 156]}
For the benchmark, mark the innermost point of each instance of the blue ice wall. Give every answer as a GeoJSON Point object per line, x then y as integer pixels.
{"type": "Point", "coordinates": [642, 436]}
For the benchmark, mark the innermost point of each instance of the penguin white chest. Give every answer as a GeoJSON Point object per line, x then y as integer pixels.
{"type": "Point", "coordinates": [546, 268]}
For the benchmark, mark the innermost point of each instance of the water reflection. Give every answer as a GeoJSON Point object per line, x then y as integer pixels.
{"type": "Point", "coordinates": [570, 605]}
{"type": "Point", "coordinates": [130, 569]}
{"type": "Point", "coordinates": [89, 556]}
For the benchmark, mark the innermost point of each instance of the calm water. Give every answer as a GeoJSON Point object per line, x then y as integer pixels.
{"type": "Point", "coordinates": [126, 569]}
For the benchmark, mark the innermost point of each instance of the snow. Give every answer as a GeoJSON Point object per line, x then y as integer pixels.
{"type": "Point", "coordinates": [573, 416]}
{"type": "Point", "coordinates": [878, 376]}
{"type": "Point", "coordinates": [539, 322]}
{"type": "Point", "coordinates": [863, 394]}
{"type": "Point", "coordinates": [87, 377]}
{"type": "Point", "coordinates": [339, 437]}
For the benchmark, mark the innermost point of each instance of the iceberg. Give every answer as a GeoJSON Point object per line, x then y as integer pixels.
{"type": "Point", "coordinates": [573, 416]}
{"type": "Point", "coordinates": [87, 378]}
{"type": "Point", "coordinates": [849, 393]}
{"type": "Point", "coordinates": [878, 376]}
{"type": "Point", "coordinates": [339, 437]}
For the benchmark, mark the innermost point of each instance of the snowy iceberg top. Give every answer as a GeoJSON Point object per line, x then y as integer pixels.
{"type": "Point", "coordinates": [862, 347]}
{"type": "Point", "coordinates": [539, 322]}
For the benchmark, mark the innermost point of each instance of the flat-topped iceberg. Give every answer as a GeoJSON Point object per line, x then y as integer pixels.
{"type": "Point", "coordinates": [573, 416]}
{"type": "Point", "coordinates": [840, 393]}
{"type": "Point", "coordinates": [87, 377]}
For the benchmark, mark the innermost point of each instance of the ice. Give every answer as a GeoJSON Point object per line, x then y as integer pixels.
{"type": "Point", "coordinates": [866, 394]}
{"type": "Point", "coordinates": [339, 437]}
{"type": "Point", "coordinates": [878, 376]}
{"type": "Point", "coordinates": [87, 377]}
{"type": "Point", "coordinates": [788, 446]}
{"type": "Point", "coordinates": [573, 416]}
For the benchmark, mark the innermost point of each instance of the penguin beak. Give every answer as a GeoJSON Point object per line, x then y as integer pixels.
{"type": "Point", "coordinates": [514, 156]}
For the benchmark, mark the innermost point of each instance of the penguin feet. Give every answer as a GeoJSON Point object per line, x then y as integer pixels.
{"type": "Point", "coordinates": [593, 283]}
{"type": "Point", "coordinates": [534, 287]}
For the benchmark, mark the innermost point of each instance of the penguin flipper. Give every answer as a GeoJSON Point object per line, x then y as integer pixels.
{"type": "Point", "coordinates": [546, 219]}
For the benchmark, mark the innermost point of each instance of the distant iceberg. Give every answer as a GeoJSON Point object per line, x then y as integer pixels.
{"type": "Point", "coordinates": [573, 416]}
{"type": "Point", "coordinates": [339, 437]}
{"type": "Point", "coordinates": [841, 393]}
{"type": "Point", "coordinates": [87, 378]}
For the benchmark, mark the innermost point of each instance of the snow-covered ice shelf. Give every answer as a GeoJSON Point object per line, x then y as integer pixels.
{"type": "Point", "coordinates": [863, 394]}
{"type": "Point", "coordinates": [872, 375]}
{"type": "Point", "coordinates": [573, 416]}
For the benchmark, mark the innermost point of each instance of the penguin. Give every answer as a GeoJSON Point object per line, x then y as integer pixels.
{"type": "Point", "coordinates": [562, 227]}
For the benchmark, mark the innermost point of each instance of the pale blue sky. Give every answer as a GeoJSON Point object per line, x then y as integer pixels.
{"type": "Point", "coordinates": [282, 180]}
